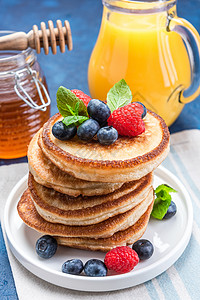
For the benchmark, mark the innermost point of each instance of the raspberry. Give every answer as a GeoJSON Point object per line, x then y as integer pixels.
{"type": "Point", "coordinates": [121, 259]}
{"type": "Point", "coordinates": [82, 96]}
{"type": "Point", "coordinates": [127, 120]}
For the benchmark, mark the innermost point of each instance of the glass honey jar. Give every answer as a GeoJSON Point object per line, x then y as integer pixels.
{"type": "Point", "coordinates": [24, 101]}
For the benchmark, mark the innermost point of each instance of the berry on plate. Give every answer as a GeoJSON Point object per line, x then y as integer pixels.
{"type": "Point", "coordinates": [127, 120]}
{"type": "Point", "coordinates": [95, 268]}
{"type": "Point", "coordinates": [107, 135]}
{"type": "Point", "coordinates": [88, 129]}
{"type": "Point", "coordinates": [144, 249]}
{"type": "Point", "coordinates": [171, 211]}
{"type": "Point", "coordinates": [82, 96]}
{"type": "Point", "coordinates": [98, 110]}
{"type": "Point", "coordinates": [121, 259]}
{"type": "Point", "coordinates": [72, 266]}
{"type": "Point", "coordinates": [46, 246]}
{"type": "Point", "coordinates": [63, 132]}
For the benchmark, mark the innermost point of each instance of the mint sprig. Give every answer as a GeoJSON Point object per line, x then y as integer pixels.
{"type": "Point", "coordinates": [162, 201]}
{"type": "Point", "coordinates": [119, 95]}
{"type": "Point", "coordinates": [76, 120]}
{"type": "Point", "coordinates": [71, 107]}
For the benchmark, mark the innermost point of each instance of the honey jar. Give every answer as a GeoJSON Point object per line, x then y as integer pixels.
{"type": "Point", "coordinates": [24, 101]}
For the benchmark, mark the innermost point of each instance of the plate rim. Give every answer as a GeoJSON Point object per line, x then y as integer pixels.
{"type": "Point", "coordinates": [176, 252]}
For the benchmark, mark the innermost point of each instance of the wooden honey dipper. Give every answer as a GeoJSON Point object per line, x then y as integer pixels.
{"type": "Point", "coordinates": [38, 39]}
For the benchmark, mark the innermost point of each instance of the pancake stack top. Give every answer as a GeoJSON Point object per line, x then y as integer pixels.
{"type": "Point", "coordinates": [91, 196]}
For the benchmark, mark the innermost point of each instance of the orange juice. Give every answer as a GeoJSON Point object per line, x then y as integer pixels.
{"type": "Point", "coordinates": [153, 62]}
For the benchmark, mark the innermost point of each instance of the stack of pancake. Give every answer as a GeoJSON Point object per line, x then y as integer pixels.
{"type": "Point", "coordinates": [88, 195]}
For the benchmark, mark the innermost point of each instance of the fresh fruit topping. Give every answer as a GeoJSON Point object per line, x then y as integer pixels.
{"type": "Point", "coordinates": [121, 259]}
{"type": "Point", "coordinates": [144, 107]}
{"type": "Point", "coordinates": [144, 249]}
{"type": "Point", "coordinates": [119, 95]}
{"type": "Point", "coordinates": [127, 120]}
{"type": "Point", "coordinates": [162, 201]}
{"type": "Point", "coordinates": [171, 211]}
{"type": "Point", "coordinates": [98, 110]}
{"type": "Point", "coordinates": [88, 130]}
{"type": "Point", "coordinates": [107, 135]}
{"type": "Point", "coordinates": [63, 132]}
{"type": "Point", "coordinates": [95, 268]}
{"type": "Point", "coordinates": [80, 110]}
{"type": "Point", "coordinates": [70, 105]}
{"type": "Point", "coordinates": [46, 246]}
{"type": "Point", "coordinates": [82, 96]}
{"type": "Point", "coordinates": [72, 266]}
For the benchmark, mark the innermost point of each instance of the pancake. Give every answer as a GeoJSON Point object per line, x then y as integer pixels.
{"type": "Point", "coordinates": [49, 175]}
{"type": "Point", "coordinates": [120, 238]}
{"type": "Point", "coordinates": [125, 160]}
{"type": "Point", "coordinates": [30, 216]}
{"type": "Point", "coordinates": [60, 208]}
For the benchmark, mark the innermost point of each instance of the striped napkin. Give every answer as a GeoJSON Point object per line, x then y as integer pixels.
{"type": "Point", "coordinates": [180, 281]}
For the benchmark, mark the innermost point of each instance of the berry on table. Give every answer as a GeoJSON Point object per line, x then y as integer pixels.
{"type": "Point", "coordinates": [63, 132]}
{"type": "Point", "coordinates": [127, 120]}
{"type": "Point", "coordinates": [46, 246]}
{"type": "Point", "coordinates": [88, 129]}
{"type": "Point", "coordinates": [144, 107]}
{"type": "Point", "coordinates": [98, 110]}
{"type": "Point", "coordinates": [144, 249]}
{"type": "Point", "coordinates": [72, 266]}
{"type": "Point", "coordinates": [107, 135]}
{"type": "Point", "coordinates": [121, 259]}
{"type": "Point", "coordinates": [95, 268]}
{"type": "Point", "coordinates": [171, 211]}
{"type": "Point", "coordinates": [82, 96]}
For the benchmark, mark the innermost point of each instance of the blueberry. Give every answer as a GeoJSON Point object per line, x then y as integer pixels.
{"type": "Point", "coordinates": [95, 268]}
{"type": "Point", "coordinates": [63, 132]}
{"type": "Point", "coordinates": [171, 211]}
{"type": "Point", "coordinates": [88, 129]}
{"type": "Point", "coordinates": [46, 246]}
{"type": "Point", "coordinates": [98, 110]}
{"type": "Point", "coordinates": [107, 135]}
{"type": "Point", "coordinates": [144, 249]}
{"type": "Point", "coordinates": [72, 266]}
{"type": "Point", "coordinates": [145, 109]}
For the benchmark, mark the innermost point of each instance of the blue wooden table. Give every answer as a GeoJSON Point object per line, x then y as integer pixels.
{"type": "Point", "coordinates": [70, 69]}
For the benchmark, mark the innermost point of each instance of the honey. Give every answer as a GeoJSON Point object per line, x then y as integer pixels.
{"type": "Point", "coordinates": [19, 120]}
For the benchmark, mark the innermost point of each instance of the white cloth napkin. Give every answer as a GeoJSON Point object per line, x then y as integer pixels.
{"type": "Point", "coordinates": [181, 281]}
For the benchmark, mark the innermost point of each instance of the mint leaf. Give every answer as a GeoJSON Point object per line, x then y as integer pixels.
{"type": "Point", "coordinates": [76, 120]}
{"type": "Point", "coordinates": [162, 201]}
{"type": "Point", "coordinates": [76, 108]}
{"type": "Point", "coordinates": [68, 104]}
{"type": "Point", "coordinates": [119, 95]}
{"type": "Point", "coordinates": [164, 187]}
{"type": "Point", "coordinates": [70, 109]}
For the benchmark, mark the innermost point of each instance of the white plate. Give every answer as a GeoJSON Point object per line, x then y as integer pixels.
{"type": "Point", "coordinates": [169, 237]}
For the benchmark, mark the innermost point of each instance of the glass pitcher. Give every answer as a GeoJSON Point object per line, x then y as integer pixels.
{"type": "Point", "coordinates": [156, 52]}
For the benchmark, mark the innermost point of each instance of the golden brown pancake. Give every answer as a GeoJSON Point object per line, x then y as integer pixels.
{"type": "Point", "coordinates": [49, 175]}
{"type": "Point", "coordinates": [125, 160]}
{"type": "Point", "coordinates": [30, 216]}
{"type": "Point", "coordinates": [120, 238]}
{"type": "Point", "coordinates": [61, 208]}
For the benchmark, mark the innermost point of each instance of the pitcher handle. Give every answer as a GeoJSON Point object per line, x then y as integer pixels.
{"type": "Point", "coordinates": [192, 41]}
